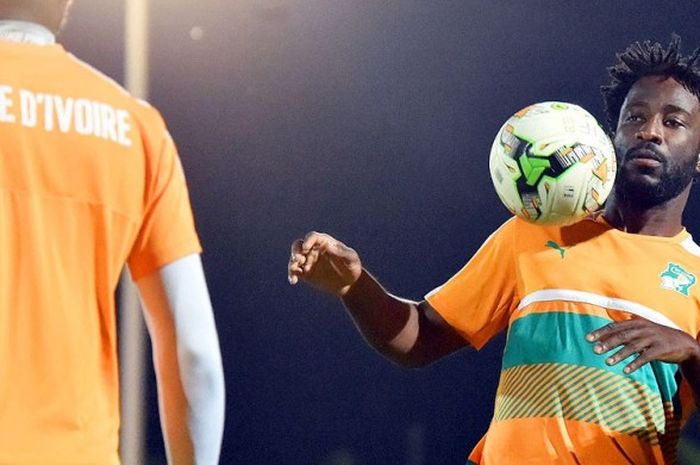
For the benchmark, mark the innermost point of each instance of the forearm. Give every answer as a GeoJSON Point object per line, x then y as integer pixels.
{"type": "Point", "coordinates": [187, 360]}
{"type": "Point", "coordinates": [173, 407]}
{"type": "Point", "coordinates": [200, 367]}
{"type": "Point", "coordinates": [191, 398]}
{"type": "Point", "coordinates": [409, 333]}
{"type": "Point", "coordinates": [388, 323]}
{"type": "Point", "coordinates": [203, 386]}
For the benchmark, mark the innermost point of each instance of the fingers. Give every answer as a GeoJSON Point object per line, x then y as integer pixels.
{"type": "Point", "coordinates": [621, 354]}
{"type": "Point", "coordinates": [306, 253]}
{"type": "Point", "coordinates": [645, 356]}
{"type": "Point", "coordinates": [612, 340]}
{"type": "Point", "coordinates": [296, 246]}
{"type": "Point", "coordinates": [629, 335]}
{"type": "Point", "coordinates": [605, 331]}
{"type": "Point", "coordinates": [615, 334]}
{"type": "Point", "coordinates": [324, 263]}
{"type": "Point", "coordinates": [314, 239]}
{"type": "Point", "coordinates": [626, 352]}
{"type": "Point", "coordinates": [296, 261]}
{"type": "Point", "coordinates": [311, 258]}
{"type": "Point", "coordinates": [310, 249]}
{"type": "Point", "coordinates": [650, 341]}
{"type": "Point", "coordinates": [321, 243]}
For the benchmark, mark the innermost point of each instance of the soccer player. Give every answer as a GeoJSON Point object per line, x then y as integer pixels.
{"type": "Point", "coordinates": [90, 180]}
{"type": "Point", "coordinates": [601, 363]}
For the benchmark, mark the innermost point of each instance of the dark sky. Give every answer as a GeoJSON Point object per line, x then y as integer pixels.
{"type": "Point", "coordinates": [371, 120]}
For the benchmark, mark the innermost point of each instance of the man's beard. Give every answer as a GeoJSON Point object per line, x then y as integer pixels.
{"type": "Point", "coordinates": [673, 179]}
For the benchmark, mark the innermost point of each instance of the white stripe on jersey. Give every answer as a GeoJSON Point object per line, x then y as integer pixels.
{"type": "Point", "coordinates": [691, 246]}
{"type": "Point", "coordinates": [569, 295]}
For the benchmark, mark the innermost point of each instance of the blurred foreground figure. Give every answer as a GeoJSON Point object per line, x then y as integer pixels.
{"type": "Point", "coordinates": [89, 181]}
{"type": "Point", "coordinates": [602, 362]}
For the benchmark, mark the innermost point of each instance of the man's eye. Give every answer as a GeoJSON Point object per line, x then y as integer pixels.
{"type": "Point", "coordinates": [633, 118]}
{"type": "Point", "coordinates": [674, 123]}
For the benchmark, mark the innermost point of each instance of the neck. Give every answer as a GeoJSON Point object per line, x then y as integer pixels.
{"type": "Point", "coordinates": [28, 12]}
{"type": "Point", "coordinates": [660, 220]}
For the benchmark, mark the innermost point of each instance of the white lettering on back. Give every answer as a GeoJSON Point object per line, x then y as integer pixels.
{"type": "Point", "coordinates": [66, 114]}
{"type": "Point", "coordinates": [123, 127]}
{"type": "Point", "coordinates": [48, 113]}
{"type": "Point", "coordinates": [84, 123]}
{"type": "Point", "coordinates": [27, 103]}
{"type": "Point", "coordinates": [5, 104]}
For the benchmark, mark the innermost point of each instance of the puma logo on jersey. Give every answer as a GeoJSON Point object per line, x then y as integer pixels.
{"type": "Point", "coordinates": [675, 278]}
{"type": "Point", "coordinates": [558, 248]}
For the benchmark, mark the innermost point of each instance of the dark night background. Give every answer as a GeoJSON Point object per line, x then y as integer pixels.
{"type": "Point", "coordinates": [370, 120]}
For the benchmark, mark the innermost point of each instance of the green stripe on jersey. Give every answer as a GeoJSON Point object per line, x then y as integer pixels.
{"type": "Point", "coordinates": [560, 338]}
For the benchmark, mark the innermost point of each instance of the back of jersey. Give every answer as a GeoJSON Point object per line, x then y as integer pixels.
{"type": "Point", "coordinates": [89, 179]}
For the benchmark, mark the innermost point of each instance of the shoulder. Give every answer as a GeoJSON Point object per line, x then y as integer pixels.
{"type": "Point", "coordinates": [145, 115]}
{"type": "Point", "coordinates": [690, 246]}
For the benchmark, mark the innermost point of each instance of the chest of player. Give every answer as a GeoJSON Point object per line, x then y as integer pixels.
{"type": "Point", "coordinates": [656, 273]}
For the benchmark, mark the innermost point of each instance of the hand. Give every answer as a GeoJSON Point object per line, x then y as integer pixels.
{"type": "Point", "coordinates": [325, 263]}
{"type": "Point", "coordinates": [650, 340]}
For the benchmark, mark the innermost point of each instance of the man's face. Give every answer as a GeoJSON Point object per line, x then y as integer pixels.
{"type": "Point", "coordinates": [657, 141]}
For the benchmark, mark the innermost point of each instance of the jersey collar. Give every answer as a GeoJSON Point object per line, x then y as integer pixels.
{"type": "Point", "coordinates": [25, 32]}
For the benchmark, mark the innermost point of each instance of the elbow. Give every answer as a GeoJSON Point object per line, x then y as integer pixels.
{"type": "Point", "coordinates": [203, 367]}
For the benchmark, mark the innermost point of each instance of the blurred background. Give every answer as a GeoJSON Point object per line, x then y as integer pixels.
{"type": "Point", "coordinates": [370, 120]}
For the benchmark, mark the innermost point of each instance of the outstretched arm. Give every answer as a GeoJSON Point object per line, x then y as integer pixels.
{"type": "Point", "coordinates": [187, 360]}
{"type": "Point", "coordinates": [407, 332]}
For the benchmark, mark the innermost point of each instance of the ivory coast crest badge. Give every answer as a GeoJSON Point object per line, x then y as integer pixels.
{"type": "Point", "coordinates": [676, 278]}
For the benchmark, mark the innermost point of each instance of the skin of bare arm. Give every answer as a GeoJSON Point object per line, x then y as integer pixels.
{"type": "Point", "coordinates": [409, 333]}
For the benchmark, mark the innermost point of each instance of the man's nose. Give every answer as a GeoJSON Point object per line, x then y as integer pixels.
{"type": "Point", "coordinates": [651, 131]}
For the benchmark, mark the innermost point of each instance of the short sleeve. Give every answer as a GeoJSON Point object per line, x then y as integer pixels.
{"type": "Point", "coordinates": [167, 230]}
{"type": "Point", "coordinates": [479, 299]}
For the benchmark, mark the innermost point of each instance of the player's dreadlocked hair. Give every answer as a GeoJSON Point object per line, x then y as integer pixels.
{"type": "Point", "coordinates": [649, 59]}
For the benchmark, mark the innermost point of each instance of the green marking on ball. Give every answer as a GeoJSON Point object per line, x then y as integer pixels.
{"type": "Point", "coordinates": [532, 168]}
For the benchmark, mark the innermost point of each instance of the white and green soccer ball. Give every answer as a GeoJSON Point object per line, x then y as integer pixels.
{"type": "Point", "coordinates": [551, 163]}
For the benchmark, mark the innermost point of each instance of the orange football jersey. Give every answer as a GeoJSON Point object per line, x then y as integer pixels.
{"type": "Point", "coordinates": [89, 179]}
{"type": "Point", "coordinates": [558, 402]}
